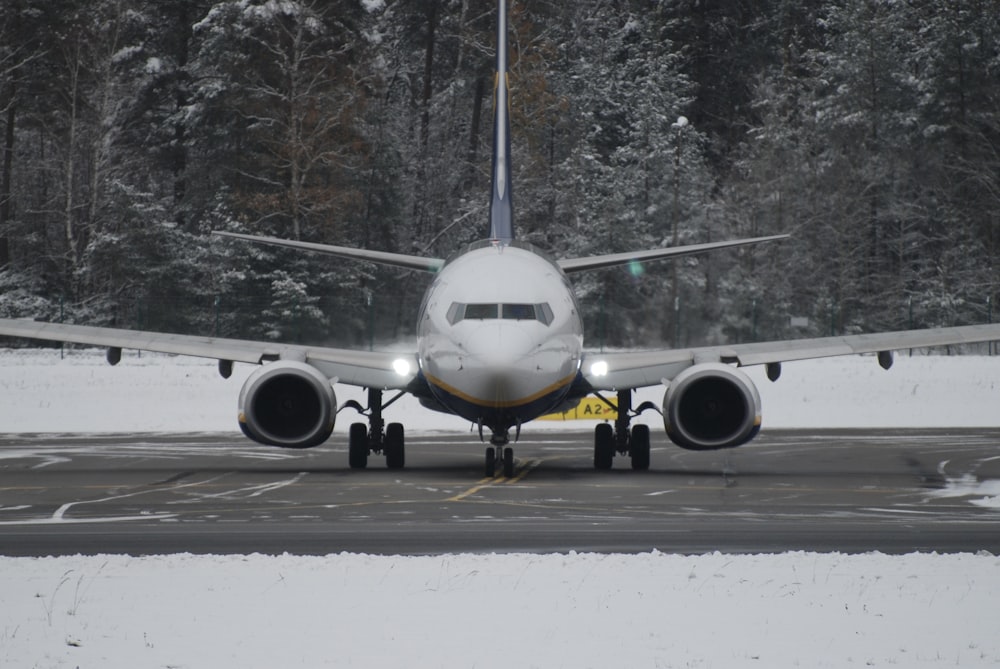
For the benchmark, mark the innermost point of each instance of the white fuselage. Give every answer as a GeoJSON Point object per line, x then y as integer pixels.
{"type": "Point", "coordinates": [500, 335]}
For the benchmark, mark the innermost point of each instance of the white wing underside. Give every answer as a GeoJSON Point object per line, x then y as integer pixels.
{"type": "Point", "coordinates": [648, 368]}
{"type": "Point", "coordinates": [370, 369]}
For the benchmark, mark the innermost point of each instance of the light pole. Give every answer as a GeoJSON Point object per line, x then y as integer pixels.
{"type": "Point", "coordinates": [678, 128]}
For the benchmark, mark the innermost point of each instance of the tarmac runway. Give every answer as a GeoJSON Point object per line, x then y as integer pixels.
{"type": "Point", "coordinates": [893, 491]}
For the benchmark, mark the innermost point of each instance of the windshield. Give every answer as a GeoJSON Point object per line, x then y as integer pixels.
{"type": "Point", "coordinates": [510, 311]}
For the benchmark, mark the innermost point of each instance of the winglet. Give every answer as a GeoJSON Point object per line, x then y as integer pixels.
{"type": "Point", "coordinates": [501, 209]}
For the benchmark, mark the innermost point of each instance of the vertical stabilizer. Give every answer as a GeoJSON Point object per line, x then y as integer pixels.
{"type": "Point", "coordinates": [501, 209]}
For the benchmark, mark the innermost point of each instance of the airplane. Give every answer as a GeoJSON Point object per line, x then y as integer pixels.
{"type": "Point", "coordinates": [500, 343]}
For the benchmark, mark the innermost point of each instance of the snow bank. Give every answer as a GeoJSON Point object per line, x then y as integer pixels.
{"type": "Point", "coordinates": [80, 392]}
{"type": "Point", "coordinates": [649, 610]}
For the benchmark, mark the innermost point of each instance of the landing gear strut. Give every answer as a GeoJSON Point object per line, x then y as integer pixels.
{"type": "Point", "coordinates": [376, 436]}
{"type": "Point", "coordinates": [622, 438]}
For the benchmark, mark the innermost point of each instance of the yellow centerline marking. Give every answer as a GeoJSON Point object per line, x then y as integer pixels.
{"type": "Point", "coordinates": [480, 484]}
{"type": "Point", "coordinates": [490, 481]}
{"type": "Point", "coordinates": [527, 469]}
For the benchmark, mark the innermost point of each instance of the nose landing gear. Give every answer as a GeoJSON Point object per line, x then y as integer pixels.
{"type": "Point", "coordinates": [498, 446]}
{"type": "Point", "coordinates": [507, 460]}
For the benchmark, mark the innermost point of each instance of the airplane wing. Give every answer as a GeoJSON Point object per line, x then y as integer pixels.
{"type": "Point", "coordinates": [370, 369]}
{"type": "Point", "coordinates": [571, 265]}
{"type": "Point", "coordinates": [419, 263]}
{"type": "Point", "coordinates": [635, 369]}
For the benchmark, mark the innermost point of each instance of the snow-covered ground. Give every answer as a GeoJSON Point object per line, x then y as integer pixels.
{"type": "Point", "coordinates": [79, 392]}
{"type": "Point", "coordinates": [572, 611]}
{"type": "Point", "coordinates": [576, 610]}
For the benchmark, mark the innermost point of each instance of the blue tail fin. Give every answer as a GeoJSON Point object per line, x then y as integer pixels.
{"type": "Point", "coordinates": [501, 209]}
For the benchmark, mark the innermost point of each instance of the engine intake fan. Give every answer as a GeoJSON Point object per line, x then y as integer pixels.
{"type": "Point", "coordinates": [288, 404]}
{"type": "Point", "coordinates": [711, 406]}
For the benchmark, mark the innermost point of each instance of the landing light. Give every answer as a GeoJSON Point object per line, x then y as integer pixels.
{"type": "Point", "coordinates": [401, 366]}
{"type": "Point", "coordinates": [599, 368]}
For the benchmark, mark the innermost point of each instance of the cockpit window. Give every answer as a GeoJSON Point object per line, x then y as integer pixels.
{"type": "Point", "coordinates": [458, 312]}
{"type": "Point", "coordinates": [518, 312]}
{"type": "Point", "coordinates": [543, 312]}
{"type": "Point", "coordinates": [480, 311]}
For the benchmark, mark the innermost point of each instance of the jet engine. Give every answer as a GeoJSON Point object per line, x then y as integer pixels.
{"type": "Point", "coordinates": [711, 406]}
{"type": "Point", "coordinates": [288, 404]}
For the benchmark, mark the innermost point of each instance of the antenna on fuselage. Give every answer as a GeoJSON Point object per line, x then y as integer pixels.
{"type": "Point", "coordinates": [501, 209]}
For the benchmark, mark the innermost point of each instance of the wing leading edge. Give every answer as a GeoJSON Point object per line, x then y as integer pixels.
{"type": "Point", "coordinates": [635, 369]}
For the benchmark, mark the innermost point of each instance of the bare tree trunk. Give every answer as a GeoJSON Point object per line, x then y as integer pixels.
{"type": "Point", "coordinates": [100, 149]}
{"type": "Point", "coordinates": [5, 179]}
{"type": "Point", "coordinates": [425, 98]}
{"type": "Point", "coordinates": [69, 228]}
{"type": "Point", "coordinates": [425, 116]}
{"type": "Point", "coordinates": [477, 112]}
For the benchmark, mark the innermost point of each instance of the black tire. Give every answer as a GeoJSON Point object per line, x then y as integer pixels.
{"type": "Point", "coordinates": [604, 446]}
{"type": "Point", "coordinates": [357, 446]}
{"type": "Point", "coordinates": [639, 447]}
{"type": "Point", "coordinates": [394, 445]}
{"type": "Point", "coordinates": [508, 462]}
{"type": "Point", "coordinates": [491, 462]}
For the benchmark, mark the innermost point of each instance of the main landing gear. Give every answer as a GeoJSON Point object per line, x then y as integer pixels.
{"type": "Point", "coordinates": [376, 436]}
{"type": "Point", "coordinates": [621, 438]}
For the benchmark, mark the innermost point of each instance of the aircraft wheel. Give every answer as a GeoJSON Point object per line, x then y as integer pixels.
{"type": "Point", "coordinates": [604, 446]}
{"type": "Point", "coordinates": [491, 462]}
{"type": "Point", "coordinates": [639, 447]}
{"type": "Point", "coordinates": [508, 462]}
{"type": "Point", "coordinates": [357, 446]}
{"type": "Point", "coordinates": [395, 452]}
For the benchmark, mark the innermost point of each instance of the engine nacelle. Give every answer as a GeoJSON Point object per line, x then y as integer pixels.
{"type": "Point", "coordinates": [288, 404]}
{"type": "Point", "coordinates": [711, 406]}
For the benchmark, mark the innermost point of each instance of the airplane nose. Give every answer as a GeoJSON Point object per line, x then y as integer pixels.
{"type": "Point", "coordinates": [500, 374]}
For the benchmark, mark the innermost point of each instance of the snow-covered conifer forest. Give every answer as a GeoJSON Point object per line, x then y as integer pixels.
{"type": "Point", "coordinates": [869, 129]}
